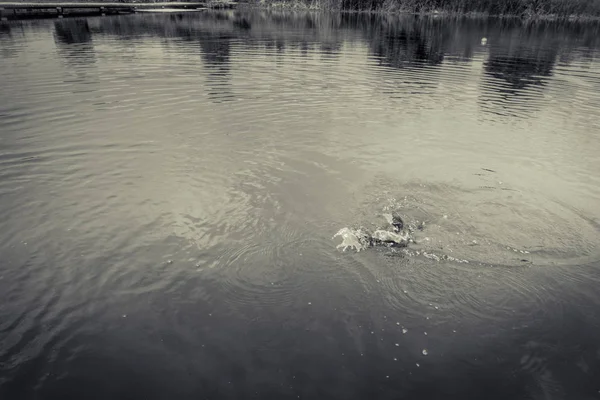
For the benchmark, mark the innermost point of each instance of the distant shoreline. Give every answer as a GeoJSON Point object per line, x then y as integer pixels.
{"type": "Point", "coordinates": [571, 10]}
{"type": "Point", "coordinates": [566, 10]}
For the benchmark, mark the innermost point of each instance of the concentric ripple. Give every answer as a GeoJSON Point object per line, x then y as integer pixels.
{"type": "Point", "coordinates": [169, 187]}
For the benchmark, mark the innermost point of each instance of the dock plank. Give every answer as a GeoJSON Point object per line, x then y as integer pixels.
{"type": "Point", "coordinates": [43, 5]}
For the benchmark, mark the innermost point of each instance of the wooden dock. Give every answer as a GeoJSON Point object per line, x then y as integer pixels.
{"type": "Point", "coordinates": [19, 10]}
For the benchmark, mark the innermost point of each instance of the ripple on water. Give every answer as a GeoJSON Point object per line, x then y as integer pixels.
{"type": "Point", "coordinates": [491, 227]}
{"type": "Point", "coordinates": [237, 153]}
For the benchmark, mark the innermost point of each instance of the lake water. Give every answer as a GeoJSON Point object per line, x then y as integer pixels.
{"type": "Point", "coordinates": [170, 186]}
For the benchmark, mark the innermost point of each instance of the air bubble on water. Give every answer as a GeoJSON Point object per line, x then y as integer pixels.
{"type": "Point", "coordinates": [404, 330]}
{"type": "Point", "coordinates": [437, 308]}
{"type": "Point", "coordinates": [425, 352]}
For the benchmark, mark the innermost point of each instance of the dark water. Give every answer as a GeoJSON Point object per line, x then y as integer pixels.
{"type": "Point", "coordinates": [170, 186]}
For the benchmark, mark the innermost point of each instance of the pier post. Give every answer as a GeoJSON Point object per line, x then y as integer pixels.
{"type": "Point", "coordinates": [102, 11]}
{"type": "Point", "coordinates": [2, 17]}
{"type": "Point", "coordinates": [60, 12]}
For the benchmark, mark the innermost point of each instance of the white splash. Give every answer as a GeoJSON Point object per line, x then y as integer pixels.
{"type": "Point", "coordinates": [352, 238]}
{"type": "Point", "coordinates": [387, 236]}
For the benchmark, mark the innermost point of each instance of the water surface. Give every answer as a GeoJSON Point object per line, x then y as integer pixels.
{"type": "Point", "coordinates": [170, 186]}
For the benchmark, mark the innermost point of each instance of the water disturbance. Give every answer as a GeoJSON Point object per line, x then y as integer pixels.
{"type": "Point", "coordinates": [272, 205]}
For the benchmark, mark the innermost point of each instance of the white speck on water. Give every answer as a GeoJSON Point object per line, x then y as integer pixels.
{"type": "Point", "coordinates": [398, 323]}
{"type": "Point", "coordinates": [361, 354]}
{"type": "Point", "coordinates": [124, 315]}
{"type": "Point", "coordinates": [418, 365]}
{"type": "Point", "coordinates": [210, 315]}
{"type": "Point", "coordinates": [404, 330]}
{"type": "Point", "coordinates": [397, 344]}
{"type": "Point", "coordinates": [387, 376]}
{"type": "Point", "coordinates": [169, 261]}
{"type": "Point", "coordinates": [426, 317]}
{"type": "Point", "coordinates": [453, 331]}
{"type": "Point", "coordinates": [445, 216]}
{"type": "Point", "coordinates": [405, 291]}
{"type": "Point", "coordinates": [395, 359]}
{"type": "Point", "coordinates": [309, 303]}
{"type": "Point", "coordinates": [425, 352]}
{"type": "Point", "coordinates": [425, 333]}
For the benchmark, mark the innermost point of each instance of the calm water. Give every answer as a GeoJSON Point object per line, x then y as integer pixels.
{"type": "Point", "coordinates": [170, 186]}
